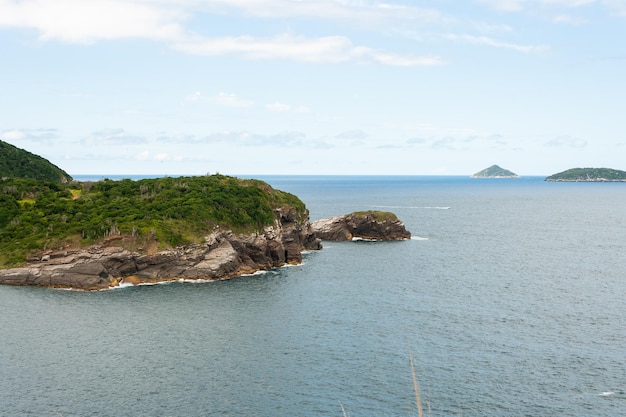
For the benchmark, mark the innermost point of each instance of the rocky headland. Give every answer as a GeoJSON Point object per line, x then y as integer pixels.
{"type": "Point", "coordinates": [366, 225]}
{"type": "Point", "coordinates": [55, 232]}
{"type": "Point", "coordinates": [223, 255]}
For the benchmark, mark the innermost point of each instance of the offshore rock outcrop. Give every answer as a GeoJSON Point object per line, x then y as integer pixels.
{"type": "Point", "coordinates": [223, 255]}
{"type": "Point", "coordinates": [368, 225]}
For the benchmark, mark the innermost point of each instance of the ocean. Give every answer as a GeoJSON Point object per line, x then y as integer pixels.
{"type": "Point", "coordinates": [510, 298]}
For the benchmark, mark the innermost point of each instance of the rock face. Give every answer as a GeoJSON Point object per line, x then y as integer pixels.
{"type": "Point", "coordinates": [369, 225]}
{"type": "Point", "coordinates": [223, 255]}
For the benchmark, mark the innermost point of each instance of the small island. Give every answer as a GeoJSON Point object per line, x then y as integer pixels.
{"type": "Point", "coordinates": [589, 175]}
{"type": "Point", "coordinates": [495, 171]}
{"type": "Point", "coordinates": [361, 225]}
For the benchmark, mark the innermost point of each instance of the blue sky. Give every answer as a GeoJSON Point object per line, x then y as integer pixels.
{"type": "Point", "coordinates": [246, 87]}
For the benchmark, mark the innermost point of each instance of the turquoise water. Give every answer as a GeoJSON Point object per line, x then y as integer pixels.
{"type": "Point", "coordinates": [511, 297]}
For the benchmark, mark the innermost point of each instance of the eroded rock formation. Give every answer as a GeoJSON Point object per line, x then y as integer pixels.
{"type": "Point", "coordinates": [369, 225]}
{"type": "Point", "coordinates": [223, 255]}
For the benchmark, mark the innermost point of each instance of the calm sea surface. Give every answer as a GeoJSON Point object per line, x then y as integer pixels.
{"type": "Point", "coordinates": [511, 297]}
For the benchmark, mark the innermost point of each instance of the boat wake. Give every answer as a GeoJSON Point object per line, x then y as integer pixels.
{"type": "Point", "coordinates": [415, 207]}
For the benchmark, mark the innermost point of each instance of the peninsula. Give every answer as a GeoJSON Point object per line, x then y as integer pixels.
{"type": "Point", "coordinates": [98, 235]}
{"type": "Point", "coordinates": [103, 234]}
{"type": "Point", "coordinates": [589, 175]}
{"type": "Point", "coordinates": [495, 171]}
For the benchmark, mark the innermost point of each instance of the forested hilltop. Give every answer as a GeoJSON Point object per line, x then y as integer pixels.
{"type": "Point", "coordinates": [495, 171]}
{"type": "Point", "coordinates": [36, 216]}
{"type": "Point", "coordinates": [18, 163]}
{"type": "Point", "coordinates": [589, 175]}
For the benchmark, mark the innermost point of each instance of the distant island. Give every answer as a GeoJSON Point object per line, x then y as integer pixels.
{"type": "Point", "coordinates": [18, 163]}
{"type": "Point", "coordinates": [495, 171]}
{"type": "Point", "coordinates": [589, 175]}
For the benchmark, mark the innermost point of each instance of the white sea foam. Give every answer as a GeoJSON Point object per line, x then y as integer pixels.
{"type": "Point", "coordinates": [119, 286]}
{"type": "Point", "coordinates": [360, 239]}
{"type": "Point", "coordinates": [606, 394]}
{"type": "Point", "coordinates": [186, 280]}
{"type": "Point", "coordinates": [415, 207]}
{"type": "Point", "coordinates": [418, 238]}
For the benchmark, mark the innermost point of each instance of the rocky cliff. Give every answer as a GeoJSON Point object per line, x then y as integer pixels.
{"type": "Point", "coordinates": [223, 255]}
{"type": "Point", "coordinates": [368, 225]}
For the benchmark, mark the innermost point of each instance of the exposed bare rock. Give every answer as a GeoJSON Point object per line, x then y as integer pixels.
{"type": "Point", "coordinates": [223, 255]}
{"type": "Point", "coordinates": [368, 225]}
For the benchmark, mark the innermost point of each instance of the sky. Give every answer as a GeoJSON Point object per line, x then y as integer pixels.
{"type": "Point", "coordinates": [325, 87]}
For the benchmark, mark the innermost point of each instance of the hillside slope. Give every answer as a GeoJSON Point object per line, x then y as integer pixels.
{"type": "Point", "coordinates": [18, 163]}
{"type": "Point", "coordinates": [589, 175]}
{"type": "Point", "coordinates": [495, 171]}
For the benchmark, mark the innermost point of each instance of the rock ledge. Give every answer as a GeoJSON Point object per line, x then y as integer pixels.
{"type": "Point", "coordinates": [223, 255]}
{"type": "Point", "coordinates": [367, 225]}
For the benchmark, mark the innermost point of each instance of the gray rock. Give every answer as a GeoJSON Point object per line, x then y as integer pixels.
{"type": "Point", "coordinates": [369, 225]}
{"type": "Point", "coordinates": [223, 255]}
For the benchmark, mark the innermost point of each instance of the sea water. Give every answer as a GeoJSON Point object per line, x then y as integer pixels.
{"type": "Point", "coordinates": [510, 299]}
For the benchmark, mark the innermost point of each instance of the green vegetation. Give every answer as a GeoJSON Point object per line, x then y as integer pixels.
{"type": "Point", "coordinates": [380, 216]}
{"type": "Point", "coordinates": [40, 215]}
{"type": "Point", "coordinates": [18, 163]}
{"type": "Point", "coordinates": [589, 175]}
{"type": "Point", "coordinates": [495, 171]}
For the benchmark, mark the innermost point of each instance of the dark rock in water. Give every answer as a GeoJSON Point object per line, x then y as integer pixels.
{"type": "Point", "coordinates": [368, 225]}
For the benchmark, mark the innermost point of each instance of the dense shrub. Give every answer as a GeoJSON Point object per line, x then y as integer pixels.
{"type": "Point", "coordinates": [38, 215]}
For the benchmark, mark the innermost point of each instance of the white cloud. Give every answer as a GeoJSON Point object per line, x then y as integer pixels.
{"type": "Point", "coordinates": [89, 21]}
{"type": "Point", "coordinates": [302, 109]}
{"type": "Point", "coordinates": [617, 6]}
{"type": "Point", "coordinates": [161, 157]}
{"type": "Point", "coordinates": [282, 139]}
{"type": "Point", "coordinates": [351, 11]}
{"type": "Point", "coordinates": [569, 20]}
{"type": "Point", "coordinates": [222, 99]}
{"type": "Point", "coordinates": [567, 141]}
{"type": "Point", "coordinates": [79, 21]}
{"type": "Point", "coordinates": [444, 143]}
{"type": "Point", "coordinates": [29, 135]}
{"type": "Point", "coordinates": [278, 107]}
{"type": "Point", "coordinates": [518, 5]}
{"type": "Point", "coordinates": [13, 135]}
{"type": "Point", "coordinates": [352, 134]}
{"type": "Point", "coordinates": [416, 141]}
{"type": "Point", "coordinates": [485, 40]}
{"type": "Point", "coordinates": [146, 155]}
{"type": "Point", "coordinates": [231, 100]}
{"type": "Point", "coordinates": [115, 137]}
{"type": "Point", "coordinates": [143, 156]}
{"type": "Point", "coordinates": [327, 49]}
